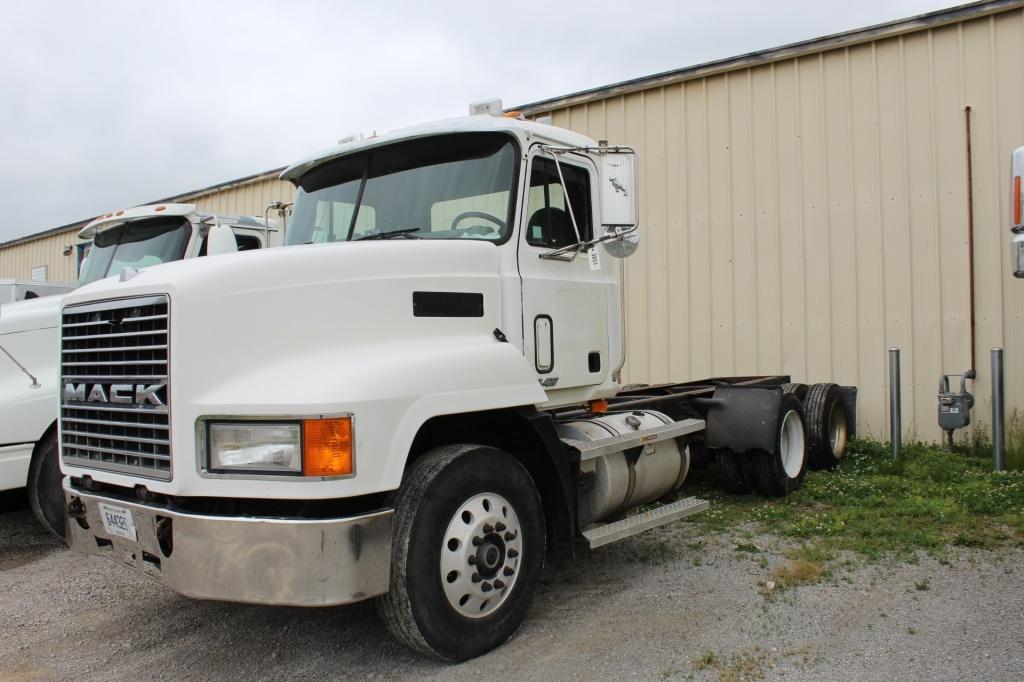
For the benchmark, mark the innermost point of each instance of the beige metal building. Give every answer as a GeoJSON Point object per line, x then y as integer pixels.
{"type": "Point", "coordinates": [803, 209]}
{"type": "Point", "coordinates": [55, 249]}
{"type": "Point", "coordinates": [806, 208]}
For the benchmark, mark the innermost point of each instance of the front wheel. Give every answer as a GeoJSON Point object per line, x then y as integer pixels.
{"type": "Point", "coordinates": [45, 494]}
{"type": "Point", "coordinates": [467, 551]}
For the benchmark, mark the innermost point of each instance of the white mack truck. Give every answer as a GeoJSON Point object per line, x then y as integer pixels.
{"type": "Point", "coordinates": [417, 399]}
{"type": "Point", "coordinates": [30, 365]}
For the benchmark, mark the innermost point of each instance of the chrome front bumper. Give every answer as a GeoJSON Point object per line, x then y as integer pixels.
{"type": "Point", "coordinates": [259, 560]}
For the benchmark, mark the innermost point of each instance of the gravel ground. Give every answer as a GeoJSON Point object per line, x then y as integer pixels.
{"type": "Point", "coordinates": [663, 605]}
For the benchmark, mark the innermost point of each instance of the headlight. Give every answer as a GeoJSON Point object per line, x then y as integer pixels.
{"type": "Point", "coordinates": [311, 447]}
{"type": "Point", "coordinates": [251, 446]}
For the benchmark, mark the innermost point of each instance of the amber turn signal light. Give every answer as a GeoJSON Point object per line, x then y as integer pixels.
{"type": "Point", "coordinates": [327, 447]}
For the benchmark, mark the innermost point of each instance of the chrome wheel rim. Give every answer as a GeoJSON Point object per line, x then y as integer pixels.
{"type": "Point", "coordinates": [837, 430]}
{"type": "Point", "coordinates": [791, 443]}
{"type": "Point", "coordinates": [481, 554]}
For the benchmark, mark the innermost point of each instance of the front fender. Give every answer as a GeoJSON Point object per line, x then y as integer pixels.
{"type": "Point", "coordinates": [27, 412]}
{"type": "Point", "coordinates": [391, 389]}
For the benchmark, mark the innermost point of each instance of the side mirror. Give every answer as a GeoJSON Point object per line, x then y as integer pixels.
{"type": "Point", "coordinates": [619, 205]}
{"type": "Point", "coordinates": [221, 239]}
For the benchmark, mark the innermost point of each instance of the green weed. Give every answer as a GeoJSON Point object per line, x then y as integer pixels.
{"type": "Point", "coordinates": [876, 507]}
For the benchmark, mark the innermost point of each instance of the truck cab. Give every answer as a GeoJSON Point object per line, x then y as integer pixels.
{"type": "Point", "coordinates": [137, 238]}
{"type": "Point", "coordinates": [420, 397]}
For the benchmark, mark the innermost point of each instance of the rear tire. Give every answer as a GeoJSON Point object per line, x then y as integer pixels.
{"type": "Point", "coordinates": [781, 471]}
{"type": "Point", "coordinates": [827, 425]}
{"type": "Point", "coordinates": [466, 517]}
{"type": "Point", "coordinates": [45, 491]}
{"type": "Point", "coordinates": [733, 471]}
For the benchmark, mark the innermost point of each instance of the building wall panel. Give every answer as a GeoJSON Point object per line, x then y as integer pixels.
{"type": "Point", "coordinates": [805, 215]}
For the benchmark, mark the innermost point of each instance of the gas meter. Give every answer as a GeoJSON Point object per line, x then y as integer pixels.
{"type": "Point", "coordinates": [955, 408]}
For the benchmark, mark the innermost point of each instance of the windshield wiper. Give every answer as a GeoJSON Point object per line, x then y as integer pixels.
{"type": "Point", "coordinates": [405, 233]}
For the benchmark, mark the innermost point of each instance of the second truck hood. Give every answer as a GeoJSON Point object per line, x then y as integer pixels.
{"type": "Point", "coordinates": [30, 315]}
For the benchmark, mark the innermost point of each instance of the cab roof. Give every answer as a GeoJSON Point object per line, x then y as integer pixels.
{"type": "Point", "coordinates": [188, 211]}
{"type": "Point", "coordinates": [525, 131]}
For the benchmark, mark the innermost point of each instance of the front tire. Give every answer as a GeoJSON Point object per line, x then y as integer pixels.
{"type": "Point", "coordinates": [467, 551]}
{"type": "Point", "coordinates": [45, 493]}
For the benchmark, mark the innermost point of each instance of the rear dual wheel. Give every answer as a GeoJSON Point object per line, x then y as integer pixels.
{"type": "Point", "coordinates": [781, 471]}
{"type": "Point", "coordinates": [775, 473]}
{"type": "Point", "coordinates": [828, 425]}
{"type": "Point", "coordinates": [467, 551]}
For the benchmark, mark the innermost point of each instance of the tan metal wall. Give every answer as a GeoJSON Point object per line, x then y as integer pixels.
{"type": "Point", "coordinates": [250, 198]}
{"type": "Point", "coordinates": [804, 216]}
{"type": "Point", "coordinates": [17, 261]}
{"type": "Point", "coordinates": [244, 198]}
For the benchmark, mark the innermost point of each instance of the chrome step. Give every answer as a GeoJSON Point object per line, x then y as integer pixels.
{"type": "Point", "coordinates": [592, 449]}
{"type": "Point", "coordinates": [631, 525]}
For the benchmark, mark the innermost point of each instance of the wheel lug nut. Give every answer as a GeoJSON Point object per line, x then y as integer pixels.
{"type": "Point", "coordinates": [476, 577]}
{"type": "Point", "coordinates": [472, 559]}
{"type": "Point", "coordinates": [488, 528]}
{"type": "Point", "coordinates": [499, 526]}
{"type": "Point", "coordinates": [508, 571]}
{"type": "Point", "coordinates": [478, 541]}
{"type": "Point", "coordinates": [510, 536]}
{"type": "Point", "coordinates": [486, 587]}
{"type": "Point", "coordinates": [498, 584]}
{"type": "Point", "coordinates": [513, 554]}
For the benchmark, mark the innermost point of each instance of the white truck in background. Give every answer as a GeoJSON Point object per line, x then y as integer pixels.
{"type": "Point", "coordinates": [30, 364]}
{"type": "Point", "coordinates": [416, 399]}
{"type": "Point", "coordinates": [19, 290]}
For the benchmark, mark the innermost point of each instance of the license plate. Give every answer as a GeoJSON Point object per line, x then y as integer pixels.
{"type": "Point", "coordinates": [118, 521]}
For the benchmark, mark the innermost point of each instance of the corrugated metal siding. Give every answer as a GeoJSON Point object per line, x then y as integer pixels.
{"type": "Point", "coordinates": [245, 198]}
{"type": "Point", "coordinates": [250, 198]}
{"type": "Point", "coordinates": [17, 261]}
{"type": "Point", "coordinates": [804, 216]}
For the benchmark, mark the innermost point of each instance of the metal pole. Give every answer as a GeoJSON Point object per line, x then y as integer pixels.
{"type": "Point", "coordinates": [998, 437]}
{"type": "Point", "coordinates": [895, 407]}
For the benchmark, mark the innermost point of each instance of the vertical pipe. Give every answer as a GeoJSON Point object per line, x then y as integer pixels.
{"type": "Point", "coordinates": [998, 436]}
{"type": "Point", "coordinates": [970, 232]}
{"type": "Point", "coordinates": [895, 408]}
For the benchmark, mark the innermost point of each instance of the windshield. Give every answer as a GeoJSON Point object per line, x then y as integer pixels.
{"type": "Point", "coordinates": [135, 245]}
{"type": "Point", "coordinates": [444, 187]}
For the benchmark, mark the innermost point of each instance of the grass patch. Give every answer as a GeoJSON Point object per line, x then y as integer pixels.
{"type": "Point", "coordinates": [799, 572]}
{"type": "Point", "coordinates": [876, 507]}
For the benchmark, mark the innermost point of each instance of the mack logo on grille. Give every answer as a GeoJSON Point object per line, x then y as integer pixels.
{"type": "Point", "coordinates": [139, 394]}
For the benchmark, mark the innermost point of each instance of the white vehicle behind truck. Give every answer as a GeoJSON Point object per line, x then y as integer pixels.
{"type": "Point", "coordinates": [30, 363]}
{"type": "Point", "coordinates": [19, 290]}
{"type": "Point", "coordinates": [422, 398]}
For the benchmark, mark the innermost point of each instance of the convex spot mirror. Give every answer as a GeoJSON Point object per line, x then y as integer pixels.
{"type": "Point", "coordinates": [221, 240]}
{"type": "Point", "coordinates": [619, 205]}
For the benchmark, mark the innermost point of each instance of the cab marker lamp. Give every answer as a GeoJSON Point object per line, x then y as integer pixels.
{"type": "Point", "coordinates": [311, 447]}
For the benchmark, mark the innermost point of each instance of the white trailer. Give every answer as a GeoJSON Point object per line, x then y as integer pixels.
{"type": "Point", "coordinates": [30, 364]}
{"type": "Point", "coordinates": [19, 290]}
{"type": "Point", "coordinates": [415, 400]}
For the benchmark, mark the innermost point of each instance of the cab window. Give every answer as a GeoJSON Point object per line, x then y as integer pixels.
{"type": "Point", "coordinates": [548, 223]}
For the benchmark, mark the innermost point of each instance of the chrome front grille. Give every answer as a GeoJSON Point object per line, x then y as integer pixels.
{"type": "Point", "coordinates": [115, 412]}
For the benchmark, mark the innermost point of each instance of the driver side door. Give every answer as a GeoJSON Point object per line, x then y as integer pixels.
{"type": "Point", "coordinates": [565, 302]}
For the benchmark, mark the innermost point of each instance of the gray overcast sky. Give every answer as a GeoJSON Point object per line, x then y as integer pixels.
{"type": "Point", "coordinates": [108, 104]}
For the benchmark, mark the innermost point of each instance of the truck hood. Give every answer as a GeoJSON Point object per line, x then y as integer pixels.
{"type": "Point", "coordinates": [35, 313]}
{"type": "Point", "coordinates": [301, 270]}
